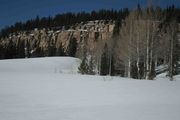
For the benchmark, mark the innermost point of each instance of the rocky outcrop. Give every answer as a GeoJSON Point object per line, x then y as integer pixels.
{"type": "Point", "coordinates": [87, 36]}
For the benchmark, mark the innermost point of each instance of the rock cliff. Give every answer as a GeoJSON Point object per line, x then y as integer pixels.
{"type": "Point", "coordinates": [87, 36]}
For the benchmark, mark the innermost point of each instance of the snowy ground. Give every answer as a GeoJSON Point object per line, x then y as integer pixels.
{"type": "Point", "coordinates": [43, 89]}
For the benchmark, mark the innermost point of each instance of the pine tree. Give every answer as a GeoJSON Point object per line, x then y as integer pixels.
{"type": "Point", "coordinates": [60, 51]}
{"type": "Point", "coordinates": [112, 70]}
{"type": "Point", "coordinates": [104, 62]}
{"type": "Point", "coordinates": [11, 51]}
{"type": "Point", "coordinates": [86, 67]}
{"type": "Point", "coordinates": [72, 47]}
{"type": "Point", "coordinates": [91, 67]}
{"type": "Point", "coordinates": [20, 50]}
{"type": "Point", "coordinates": [51, 50]}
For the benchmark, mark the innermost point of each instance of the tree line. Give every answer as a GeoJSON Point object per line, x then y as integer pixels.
{"type": "Point", "coordinates": [64, 20]}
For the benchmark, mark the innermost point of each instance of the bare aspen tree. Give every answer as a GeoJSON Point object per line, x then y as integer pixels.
{"type": "Point", "coordinates": [151, 33]}
{"type": "Point", "coordinates": [137, 43]}
{"type": "Point", "coordinates": [125, 50]}
{"type": "Point", "coordinates": [173, 41]}
{"type": "Point", "coordinates": [147, 45]}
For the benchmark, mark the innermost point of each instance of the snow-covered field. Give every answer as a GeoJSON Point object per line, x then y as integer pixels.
{"type": "Point", "coordinates": [49, 89]}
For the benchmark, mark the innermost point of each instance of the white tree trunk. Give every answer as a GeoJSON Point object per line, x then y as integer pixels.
{"type": "Point", "coordinates": [137, 65]}
{"type": "Point", "coordinates": [129, 49]}
{"type": "Point", "coordinates": [151, 54]}
{"type": "Point", "coordinates": [138, 55]}
{"type": "Point", "coordinates": [147, 52]}
{"type": "Point", "coordinates": [156, 61]}
{"type": "Point", "coordinates": [129, 67]}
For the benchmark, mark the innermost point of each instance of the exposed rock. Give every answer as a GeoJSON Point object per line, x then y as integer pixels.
{"type": "Point", "coordinates": [87, 36]}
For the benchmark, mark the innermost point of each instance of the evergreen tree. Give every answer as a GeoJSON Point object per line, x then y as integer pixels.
{"type": "Point", "coordinates": [112, 66]}
{"type": "Point", "coordinates": [60, 51]}
{"type": "Point", "coordinates": [11, 51]}
{"type": "Point", "coordinates": [104, 62]}
{"type": "Point", "coordinates": [72, 47]}
{"type": "Point", "coordinates": [86, 67]}
{"type": "Point", "coordinates": [20, 50]}
{"type": "Point", "coordinates": [51, 50]}
{"type": "Point", "coordinates": [91, 67]}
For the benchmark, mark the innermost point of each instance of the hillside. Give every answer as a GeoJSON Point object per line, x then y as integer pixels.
{"type": "Point", "coordinates": [31, 90]}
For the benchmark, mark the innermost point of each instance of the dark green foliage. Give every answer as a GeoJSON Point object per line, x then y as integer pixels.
{"type": "Point", "coordinates": [2, 51]}
{"type": "Point", "coordinates": [71, 50]}
{"type": "Point", "coordinates": [96, 36]}
{"type": "Point", "coordinates": [86, 67]}
{"type": "Point", "coordinates": [134, 71]}
{"type": "Point", "coordinates": [52, 50]}
{"type": "Point", "coordinates": [91, 67]}
{"type": "Point", "coordinates": [104, 62]}
{"type": "Point", "coordinates": [142, 70]}
{"type": "Point", "coordinates": [152, 72]}
{"type": "Point", "coordinates": [60, 51]}
{"type": "Point", "coordinates": [116, 28]}
{"type": "Point", "coordinates": [112, 67]}
{"type": "Point", "coordinates": [38, 53]}
{"type": "Point", "coordinates": [20, 50]}
{"type": "Point", "coordinates": [10, 51]}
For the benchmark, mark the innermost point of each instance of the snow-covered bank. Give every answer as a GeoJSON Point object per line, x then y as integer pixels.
{"type": "Point", "coordinates": [41, 65]}
{"type": "Point", "coordinates": [55, 96]}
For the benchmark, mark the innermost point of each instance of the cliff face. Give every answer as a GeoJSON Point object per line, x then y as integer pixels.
{"type": "Point", "coordinates": [87, 36]}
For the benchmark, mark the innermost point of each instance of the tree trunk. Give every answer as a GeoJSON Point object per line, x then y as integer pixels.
{"type": "Point", "coordinates": [129, 49]}
{"type": "Point", "coordinates": [147, 52]}
{"type": "Point", "coordinates": [151, 57]}
{"type": "Point", "coordinates": [171, 61]}
{"type": "Point", "coordinates": [138, 62]}
{"type": "Point", "coordinates": [156, 61]}
{"type": "Point", "coordinates": [99, 66]}
{"type": "Point", "coordinates": [110, 62]}
{"type": "Point", "coordinates": [138, 56]}
{"type": "Point", "coordinates": [129, 67]}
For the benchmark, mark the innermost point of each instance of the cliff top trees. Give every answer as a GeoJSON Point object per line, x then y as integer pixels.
{"type": "Point", "coordinates": [66, 19]}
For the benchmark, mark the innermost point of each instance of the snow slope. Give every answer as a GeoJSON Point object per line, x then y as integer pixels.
{"type": "Point", "coordinates": [41, 65]}
{"type": "Point", "coordinates": [26, 95]}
